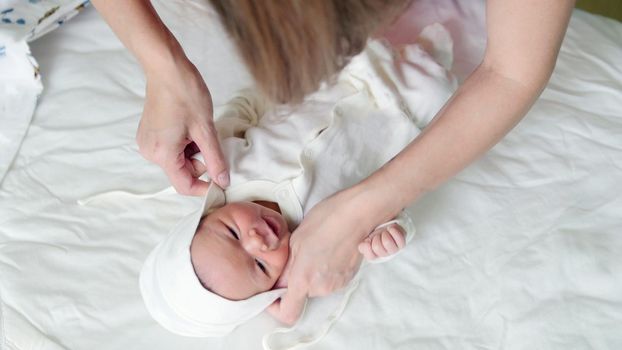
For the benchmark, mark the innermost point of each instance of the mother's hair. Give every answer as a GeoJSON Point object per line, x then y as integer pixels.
{"type": "Point", "coordinates": [292, 46]}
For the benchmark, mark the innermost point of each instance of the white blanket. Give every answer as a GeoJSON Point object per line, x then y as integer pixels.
{"type": "Point", "coordinates": [520, 250]}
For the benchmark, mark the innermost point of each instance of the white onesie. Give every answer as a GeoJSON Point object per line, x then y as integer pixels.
{"type": "Point", "coordinates": [296, 158]}
{"type": "Point", "coordinates": [300, 156]}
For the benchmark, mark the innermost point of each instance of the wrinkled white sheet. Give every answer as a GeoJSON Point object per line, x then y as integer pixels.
{"type": "Point", "coordinates": [520, 250]}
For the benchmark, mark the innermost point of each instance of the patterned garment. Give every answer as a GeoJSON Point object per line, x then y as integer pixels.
{"type": "Point", "coordinates": [22, 21]}
{"type": "Point", "coordinates": [30, 19]}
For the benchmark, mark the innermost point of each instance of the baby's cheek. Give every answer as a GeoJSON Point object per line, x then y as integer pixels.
{"type": "Point", "coordinates": [281, 256]}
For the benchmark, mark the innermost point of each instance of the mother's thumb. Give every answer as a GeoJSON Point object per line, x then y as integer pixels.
{"type": "Point", "coordinates": [292, 305]}
{"type": "Point", "coordinates": [208, 144]}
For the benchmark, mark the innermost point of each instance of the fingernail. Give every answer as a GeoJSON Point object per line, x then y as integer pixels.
{"type": "Point", "coordinates": [223, 179]}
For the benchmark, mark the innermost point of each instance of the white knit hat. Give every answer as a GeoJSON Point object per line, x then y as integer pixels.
{"type": "Point", "coordinates": [173, 293]}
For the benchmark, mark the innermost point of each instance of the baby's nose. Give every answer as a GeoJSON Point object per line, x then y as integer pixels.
{"type": "Point", "coordinates": [259, 242]}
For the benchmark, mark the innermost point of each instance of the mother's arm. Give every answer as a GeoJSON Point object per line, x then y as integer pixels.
{"type": "Point", "coordinates": [524, 37]}
{"type": "Point", "coordinates": [178, 105]}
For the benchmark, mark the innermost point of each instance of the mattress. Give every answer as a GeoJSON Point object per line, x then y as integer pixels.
{"type": "Point", "coordinates": [520, 250]}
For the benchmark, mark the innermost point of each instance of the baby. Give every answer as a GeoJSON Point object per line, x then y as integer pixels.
{"type": "Point", "coordinates": [223, 264]}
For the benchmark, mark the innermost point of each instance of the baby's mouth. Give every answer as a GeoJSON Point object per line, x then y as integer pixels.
{"type": "Point", "coordinates": [274, 225]}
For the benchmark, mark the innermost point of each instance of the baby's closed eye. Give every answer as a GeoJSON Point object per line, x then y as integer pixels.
{"type": "Point", "coordinates": [262, 266]}
{"type": "Point", "coordinates": [233, 233]}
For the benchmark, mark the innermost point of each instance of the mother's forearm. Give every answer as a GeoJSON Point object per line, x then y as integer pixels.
{"type": "Point", "coordinates": [139, 27]}
{"type": "Point", "coordinates": [485, 108]}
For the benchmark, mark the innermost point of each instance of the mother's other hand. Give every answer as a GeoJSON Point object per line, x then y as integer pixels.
{"type": "Point", "coordinates": [324, 253]}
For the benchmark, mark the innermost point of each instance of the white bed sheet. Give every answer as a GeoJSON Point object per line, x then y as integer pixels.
{"type": "Point", "coordinates": [520, 250]}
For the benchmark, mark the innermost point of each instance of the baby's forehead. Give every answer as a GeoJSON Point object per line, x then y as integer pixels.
{"type": "Point", "coordinates": [228, 206]}
{"type": "Point", "coordinates": [214, 213]}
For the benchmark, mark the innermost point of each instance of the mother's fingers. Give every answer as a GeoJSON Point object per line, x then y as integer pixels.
{"type": "Point", "coordinates": [204, 136]}
{"type": "Point", "coordinates": [184, 180]}
{"type": "Point", "coordinates": [293, 302]}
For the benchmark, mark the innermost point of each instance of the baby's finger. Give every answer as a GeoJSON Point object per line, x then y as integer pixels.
{"type": "Point", "coordinates": [377, 247]}
{"type": "Point", "coordinates": [398, 234]}
{"type": "Point", "coordinates": [388, 242]}
{"type": "Point", "coordinates": [365, 249]}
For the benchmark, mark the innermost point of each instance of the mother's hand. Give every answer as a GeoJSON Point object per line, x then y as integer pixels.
{"type": "Point", "coordinates": [177, 121]}
{"type": "Point", "coordinates": [324, 253]}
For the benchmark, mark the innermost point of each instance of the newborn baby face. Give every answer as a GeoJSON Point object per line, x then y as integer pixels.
{"type": "Point", "coordinates": [240, 250]}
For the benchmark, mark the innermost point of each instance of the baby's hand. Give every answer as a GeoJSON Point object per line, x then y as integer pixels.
{"type": "Point", "coordinates": [383, 242]}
